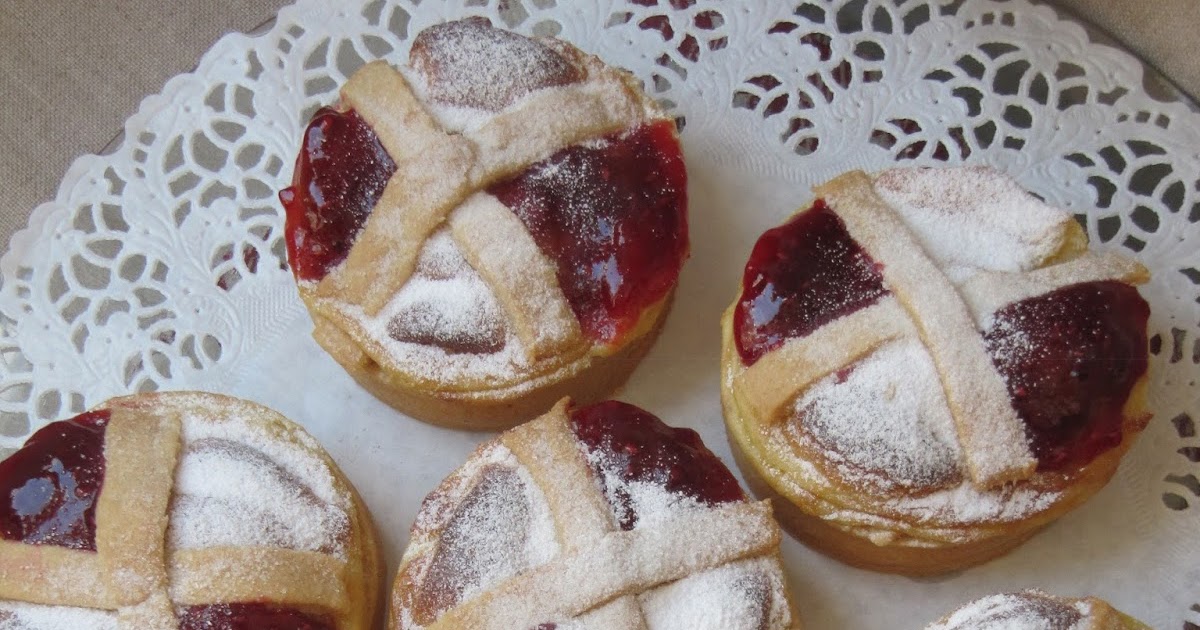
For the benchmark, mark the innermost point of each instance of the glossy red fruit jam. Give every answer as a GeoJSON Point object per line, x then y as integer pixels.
{"type": "Point", "coordinates": [613, 215]}
{"type": "Point", "coordinates": [801, 276]}
{"type": "Point", "coordinates": [636, 446]}
{"type": "Point", "coordinates": [340, 173]}
{"type": "Point", "coordinates": [49, 488]}
{"type": "Point", "coordinates": [249, 616]}
{"type": "Point", "coordinates": [1071, 358]}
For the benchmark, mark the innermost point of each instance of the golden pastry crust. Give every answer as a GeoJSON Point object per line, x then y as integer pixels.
{"type": "Point", "coordinates": [436, 194]}
{"type": "Point", "coordinates": [928, 525]}
{"type": "Point", "coordinates": [160, 547]}
{"type": "Point", "coordinates": [566, 559]}
{"type": "Point", "coordinates": [1036, 609]}
{"type": "Point", "coordinates": [587, 379]}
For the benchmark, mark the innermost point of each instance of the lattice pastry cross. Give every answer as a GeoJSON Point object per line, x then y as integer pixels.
{"type": "Point", "coordinates": [600, 570]}
{"type": "Point", "coordinates": [134, 570]}
{"type": "Point", "coordinates": [440, 177]}
{"type": "Point", "coordinates": [945, 316]}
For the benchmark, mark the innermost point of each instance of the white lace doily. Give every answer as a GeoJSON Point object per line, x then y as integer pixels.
{"type": "Point", "coordinates": [161, 265]}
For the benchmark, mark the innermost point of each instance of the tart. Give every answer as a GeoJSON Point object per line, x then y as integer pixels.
{"type": "Point", "coordinates": [1035, 610]}
{"type": "Point", "coordinates": [592, 517]}
{"type": "Point", "coordinates": [497, 224]}
{"type": "Point", "coordinates": [182, 511]}
{"type": "Point", "coordinates": [928, 365]}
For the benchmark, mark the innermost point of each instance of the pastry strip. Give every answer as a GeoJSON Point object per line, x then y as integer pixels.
{"type": "Point", "coordinates": [436, 171]}
{"type": "Point", "coordinates": [988, 291]}
{"type": "Point", "coordinates": [620, 563]}
{"type": "Point", "coordinates": [990, 433]}
{"type": "Point", "coordinates": [383, 98]}
{"type": "Point", "coordinates": [495, 242]}
{"type": "Point", "coordinates": [156, 613]}
{"type": "Point", "coordinates": [416, 198]}
{"type": "Point", "coordinates": [547, 449]}
{"type": "Point", "coordinates": [624, 613]}
{"type": "Point", "coordinates": [774, 380]}
{"type": "Point", "coordinates": [203, 576]}
{"type": "Point", "coordinates": [548, 121]}
{"type": "Point", "coordinates": [132, 510]}
{"type": "Point", "coordinates": [414, 203]}
{"type": "Point", "coordinates": [52, 575]}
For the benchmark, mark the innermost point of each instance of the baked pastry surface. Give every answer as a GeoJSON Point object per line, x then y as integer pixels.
{"type": "Point", "coordinates": [1035, 610]}
{"type": "Point", "coordinates": [928, 366]}
{"type": "Point", "coordinates": [495, 225]}
{"type": "Point", "coordinates": [180, 511]}
{"type": "Point", "coordinates": [596, 517]}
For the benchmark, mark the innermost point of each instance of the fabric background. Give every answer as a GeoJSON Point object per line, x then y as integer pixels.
{"type": "Point", "coordinates": [72, 72]}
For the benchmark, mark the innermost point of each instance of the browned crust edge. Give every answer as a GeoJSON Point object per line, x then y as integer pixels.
{"type": "Point", "coordinates": [596, 379]}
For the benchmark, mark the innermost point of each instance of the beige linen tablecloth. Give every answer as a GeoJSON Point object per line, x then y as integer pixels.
{"type": "Point", "coordinates": [72, 72]}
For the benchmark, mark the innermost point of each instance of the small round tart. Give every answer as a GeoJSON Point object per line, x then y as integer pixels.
{"type": "Point", "coordinates": [928, 365]}
{"type": "Point", "coordinates": [598, 517]}
{"type": "Point", "coordinates": [1035, 610]}
{"type": "Point", "coordinates": [182, 511]}
{"type": "Point", "coordinates": [496, 225]}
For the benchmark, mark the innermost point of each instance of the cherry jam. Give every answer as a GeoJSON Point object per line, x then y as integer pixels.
{"type": "Point", "coordinates": [801, 276]}
{"type": "Point", "coordinates": [637, 446]}
{"type": "Point", "coordinates": [340, 174]}
{"type": "Point", "coordinates": [1070, 359]}
{"type": "Point", "coordinates": [49, 488]}
{"type": "Point", "coordinates": [249, 616]}
{"type": "Point", "coordinates": [613, 215]}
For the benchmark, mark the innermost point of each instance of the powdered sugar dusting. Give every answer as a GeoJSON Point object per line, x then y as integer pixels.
{"type": "Point", "coordinates": [469, 63]}
{"type": "Point", "coordinates": [1029, 610]}
{"type": "Point", "coordinates": [445, 299]}
{"type": "Point", "coordinates": [967, 504]}
{"type": "Point", "coordinates": [1008, 338]}
{"type": "Point", "coordinates": [446, 303]}
{"type": "Point", "coordinates": [972, 218]}
{"type": "Point", "coordinates": [744, 595]}
{"type": "Point", "coordinates": [484, 86]}
{"type": "Point", "coordinates": [452, 118]}
{"type": "Point", "coordinates": [300, 460]}
{"type": "Point", "coordinates": [574, 182]}
{"type": "Point", "coordinates": [884, 420]}
{"type": "Point", "coordinates": [439, 505]}
{"type": "Point", "coordinates": [24, 616]}
{"type": "Point", "coordinates": [494, 523]}
{"type": "Point", "coordinates": [489, 522]}
{"type": "Point", "coordinates": [237, 485]}
{"type": "Point", "coordinates": [652, 503]}
{"type": "Point", "coordinates": [514, 511]}
{"type": "Point", "coordinates": [884, 426]}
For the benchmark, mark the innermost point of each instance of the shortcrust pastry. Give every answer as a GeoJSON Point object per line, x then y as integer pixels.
{"type": "Point", "coordinates": [495, 225]}
{"type": "Point", "coordinates": [928, 365]}
{"type": "Point", "coordinates": [594, 517]}
{"type": "Point", "coordinates": [182, 511]}
{"type": "Point", "coordinates": [1035, 610]}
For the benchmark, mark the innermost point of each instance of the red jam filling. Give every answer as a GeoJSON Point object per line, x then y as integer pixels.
{"type": "Point", "coordinates": [48, 489]}
{"type": "Point", "coordinates": [249, 616]}
{"type": "Point", "coordinates": [340, 173]}
{"type": "Point", "coordinates": [801, 276]}
{"type": "Point", "coordinates": [613, 216]}
{"type": "Point", "coordinates": [635, 445]}
{"type": "Point", "coordinates": [1071, 358]}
